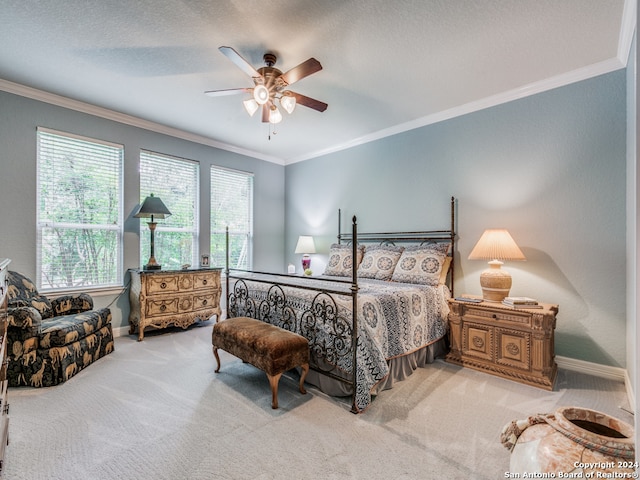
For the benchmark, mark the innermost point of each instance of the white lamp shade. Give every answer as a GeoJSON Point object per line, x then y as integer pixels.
{"type": "Point", "coordinates": [251, 106]}
{"type": "Point", "coordinates": [261, 94]}
{"type": "Point", "coordinates": [274, 115]}
{"type": "Point", "coordinates": [288, 102]}
{"type": "Point", "coordinates": [305, 244]}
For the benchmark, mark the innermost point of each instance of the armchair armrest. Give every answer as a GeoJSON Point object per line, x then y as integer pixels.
{"type": "Point", "coordinates": [26, 318]}
{"type": "Point", "coordinates": [72, 304]}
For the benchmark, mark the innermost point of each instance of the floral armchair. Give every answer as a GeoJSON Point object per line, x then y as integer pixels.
{"type": "Point", "coordinates": [49, 341]}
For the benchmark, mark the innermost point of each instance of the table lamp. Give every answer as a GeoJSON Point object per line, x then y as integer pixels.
{"type": "Point", "coordinates": [150, 208]}
{"type": "Point", "coordinates": [305, 246]}
{"type": "Point", "coordinates": [495, 245]}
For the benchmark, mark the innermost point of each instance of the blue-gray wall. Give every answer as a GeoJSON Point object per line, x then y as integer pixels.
{"type": "Point", "coordinates": [19, 118]}
{"type": "Point", "coordinates": [551, 168]}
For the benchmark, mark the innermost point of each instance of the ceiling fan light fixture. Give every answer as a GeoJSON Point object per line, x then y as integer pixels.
{"type": "Point", "coordinates": [288, 102]}
{"type": "Point", "coordinates": [274, 115]}
{"type": "Point", "coordinates": [261, 94]}
{"type": "Point", "coordinates": [251, 106]}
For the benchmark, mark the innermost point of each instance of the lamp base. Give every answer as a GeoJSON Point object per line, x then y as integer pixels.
{"type": "Point", "coordinates": [495, 283]}
{"type": "Point", "coordinates": [153, 267]}
{"type": "Point", "coordinates": [306, 262]}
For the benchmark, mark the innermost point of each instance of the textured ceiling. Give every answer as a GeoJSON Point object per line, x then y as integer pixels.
{"type": "Point", "coordinates": [387, 66]}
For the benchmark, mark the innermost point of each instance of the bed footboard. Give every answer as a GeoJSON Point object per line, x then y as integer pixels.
{"type": "Point", "coordinates": [330, 334]}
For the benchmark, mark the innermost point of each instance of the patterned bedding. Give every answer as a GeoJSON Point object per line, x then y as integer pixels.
{"type": "Point", "coordinates": [394, 319]}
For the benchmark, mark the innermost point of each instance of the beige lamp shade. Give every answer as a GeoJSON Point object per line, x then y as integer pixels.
{"type": "Point", "coordinates": [496, 245]}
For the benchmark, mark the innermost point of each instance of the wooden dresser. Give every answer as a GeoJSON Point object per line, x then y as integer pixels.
{"type": "Point", "coordinates": [4, 406]}
{"type": "Point", "coordinates": [517, 344]}
{"type": "Point", "coordinates": [160, 298]}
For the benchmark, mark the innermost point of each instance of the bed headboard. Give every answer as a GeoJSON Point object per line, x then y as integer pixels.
{"type": "Point", "coordinates": [417, 237]}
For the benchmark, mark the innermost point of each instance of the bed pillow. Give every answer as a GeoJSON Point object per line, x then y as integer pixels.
{"type": "Point", "coordinates": [445, 270]}
{"type": "Point", "coordinates": [340, 263]}
{"type": "Point", "coordinates": [379, 261]}
{"type": "Point", "coordinates": [421, 264]}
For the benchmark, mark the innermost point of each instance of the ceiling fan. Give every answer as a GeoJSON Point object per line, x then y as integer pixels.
{"type": "Point", "coordinates": [270, 85]}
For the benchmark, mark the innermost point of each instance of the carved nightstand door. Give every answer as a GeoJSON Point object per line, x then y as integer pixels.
{"type": "Point", "coordinates": [513, 343]}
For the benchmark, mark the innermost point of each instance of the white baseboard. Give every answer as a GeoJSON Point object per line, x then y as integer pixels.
{"type": "Point", "coordinates": [603, 371]}
{"type": "Point", "coordinates": [595, 369]}
{"type": "Point", "coordinates": [121, 331]}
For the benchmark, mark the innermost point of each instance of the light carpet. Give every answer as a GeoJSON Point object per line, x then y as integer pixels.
{"type": "Point", "coordinates": [156, 410]}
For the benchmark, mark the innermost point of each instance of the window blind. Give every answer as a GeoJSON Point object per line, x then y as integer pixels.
{"type": "Point", "coordinates": [231, 206]}
{"type": "Point", "coordinates": [176, 181]}
{"type": "Point", "coordinates": [79, 212]}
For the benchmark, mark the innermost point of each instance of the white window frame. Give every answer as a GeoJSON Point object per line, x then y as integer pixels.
{"type": "Point", "coordinates": [77, 143]}
{"type": "Point", "coordinates": [230, 175]}
{"type": "Point", "coordinates": [159, 190]}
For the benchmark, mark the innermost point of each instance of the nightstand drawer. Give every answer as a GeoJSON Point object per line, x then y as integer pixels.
{"type": "Point", "coordinates": [477, 341]}
{"type": "Point", "coordinates": [499, 316]}
{"type": "Point", "coordinates": [513, 349]}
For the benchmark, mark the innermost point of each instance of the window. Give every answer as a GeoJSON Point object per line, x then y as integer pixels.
{"type": "Point", "coordinates": [176, 182]}
{"type": "Point", "coordinates": [231, 206]}
{"type": "Point", "coordinates": [79, 212]}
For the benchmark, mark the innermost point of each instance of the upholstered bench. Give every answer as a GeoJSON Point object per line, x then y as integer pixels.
{"type": "Point", "coordinates": [272, 349]}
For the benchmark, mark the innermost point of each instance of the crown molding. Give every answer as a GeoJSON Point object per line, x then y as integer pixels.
{"type": "Point", "coordinates": [78, 106]}
{"type": "Point", "coordinates": [627, 30]}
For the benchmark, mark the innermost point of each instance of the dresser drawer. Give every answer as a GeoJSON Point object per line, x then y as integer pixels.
{"type": "Point", "coordinates": [206, 280]}
{"type": "Point", "coordinates": [166, 306]}
{"type": "Point", "coordinates": [156, 284]}
{"type": "Point", "coordinates": [201, 302]}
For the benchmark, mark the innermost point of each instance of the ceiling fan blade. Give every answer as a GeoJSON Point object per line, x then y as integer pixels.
{"type": "Point", "coordinates": [310, 102]}
{"type": "Point", "coordinates": [228, 91]}
{"type": "Point", "coordinates": [303, 70]}
{"type": "Point", "coordinates": [240, 62]}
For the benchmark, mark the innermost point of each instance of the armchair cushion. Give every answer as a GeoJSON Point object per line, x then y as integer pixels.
{"type": "Point", "coordinates": [22, 292]}
{"type": "Point", "coordinates": [66, 329]}
{"type": "Point", "coordinates": [72, 304]}
{"type": "Point", "coordinates": [26, 318]}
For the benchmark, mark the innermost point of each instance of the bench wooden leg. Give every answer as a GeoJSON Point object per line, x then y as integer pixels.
{"type": "Point", "coordinates": [273, 381]}
{"type": "Point", "coordinates": [215, 354]}
{"type": "Point", "coordinates": [305, 370]}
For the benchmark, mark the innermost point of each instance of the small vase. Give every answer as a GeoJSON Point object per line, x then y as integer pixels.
{"type": "Point", "coordinates": [571, 440]}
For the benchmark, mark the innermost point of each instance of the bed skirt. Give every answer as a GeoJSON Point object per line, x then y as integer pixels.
{"type": "Point", "coordinates": [400, 369]}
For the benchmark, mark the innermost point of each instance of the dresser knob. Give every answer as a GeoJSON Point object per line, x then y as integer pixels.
{"type": "Point", "coordinates": [204, 302]}
{"type": "Point", "coordinates": [204, 282]}
{"type": "Point", "coordinates": [163, 308]}
{"type": "Point", "coordinates": [163, 285]}
{"type": "Point", "coordinates": [494, 316]}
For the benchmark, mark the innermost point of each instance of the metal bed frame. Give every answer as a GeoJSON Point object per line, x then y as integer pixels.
{"type": "Point", "coordinates": [322, 314]}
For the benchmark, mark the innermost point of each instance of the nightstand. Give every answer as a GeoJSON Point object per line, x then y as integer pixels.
{"type": "Point", "coordinates": [160, 298]}
{"type": "Point", "coordinates": [517, 344]}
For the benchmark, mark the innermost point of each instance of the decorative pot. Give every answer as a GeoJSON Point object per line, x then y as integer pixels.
{"type": "Point", "coordinates": [571, 440]}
